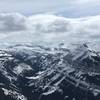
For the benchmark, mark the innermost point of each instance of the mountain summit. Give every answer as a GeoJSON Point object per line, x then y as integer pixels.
{"type": "Point", "coordinates": [30, 72]}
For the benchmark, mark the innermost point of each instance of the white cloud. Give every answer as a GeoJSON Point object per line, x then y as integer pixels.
{"type": "Point", "coordinates": [48, 28]}
{"type": "Point", "coordinates": [48, 23]}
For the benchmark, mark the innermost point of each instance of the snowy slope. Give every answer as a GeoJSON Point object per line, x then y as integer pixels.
{"type": "Point", "coordinates": [30, 72]}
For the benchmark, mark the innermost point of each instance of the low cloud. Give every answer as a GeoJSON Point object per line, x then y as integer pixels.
{"type": "Point", "coordinates": [48, 28]}
{"type": "Point", "coordinates": [12, 22]}
{"type": "Point", "coordinates": [48, 23]}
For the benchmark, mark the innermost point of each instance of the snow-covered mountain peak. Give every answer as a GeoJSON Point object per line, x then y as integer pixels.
{"type": "Point", "coordinates": [29, 71]}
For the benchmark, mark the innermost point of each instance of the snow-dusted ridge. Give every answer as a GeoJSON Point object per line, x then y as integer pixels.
{"type": "Point", "coordinates": [44, 73]}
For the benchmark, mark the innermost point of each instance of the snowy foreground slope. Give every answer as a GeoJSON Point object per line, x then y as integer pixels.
{"type": "Point", "coordinates": [30, 72]}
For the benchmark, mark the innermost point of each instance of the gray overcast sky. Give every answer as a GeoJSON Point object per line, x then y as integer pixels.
{"type": "Point", "coordinates": [69, 8]}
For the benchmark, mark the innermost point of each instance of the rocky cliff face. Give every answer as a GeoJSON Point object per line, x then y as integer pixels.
{"type": "Point", "coordinates": [42, 73]}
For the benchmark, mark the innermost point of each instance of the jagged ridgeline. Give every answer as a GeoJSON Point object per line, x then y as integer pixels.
{"type": "Point", "coordinates": [30, 72]}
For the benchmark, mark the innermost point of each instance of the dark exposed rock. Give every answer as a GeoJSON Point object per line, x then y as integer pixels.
{"type": "Point", "coordinates": [37, 73]}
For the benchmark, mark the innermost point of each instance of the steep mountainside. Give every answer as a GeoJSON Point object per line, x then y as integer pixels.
{"type": "Point", "coordinates": [42, 73]}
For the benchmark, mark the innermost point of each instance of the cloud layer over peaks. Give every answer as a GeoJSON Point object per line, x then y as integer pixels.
{"type": "Point", "coordinates": [48, 28]}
